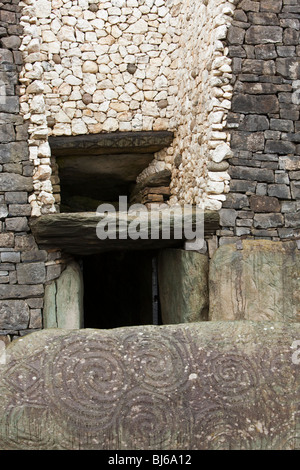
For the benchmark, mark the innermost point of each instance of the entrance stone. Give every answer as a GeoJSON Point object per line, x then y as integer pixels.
{"type": "Point", "coordinates": [258, 282]}
{"type": "Point", "coordinates": [206, 386]}
{"type": "Point", "coordinates": [183, 286]}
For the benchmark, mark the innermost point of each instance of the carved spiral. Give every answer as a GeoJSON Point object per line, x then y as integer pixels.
{"type": "Point", "coordinates": [157, 362]}
{"type": "Point", "coordinates": [217, 430]}
{"type": "Point", "coordinates": [85, 381]}
{"type": "Point", "coordinates": [231, 377]}
{"type": "Point", "coordinates": [150, 421]}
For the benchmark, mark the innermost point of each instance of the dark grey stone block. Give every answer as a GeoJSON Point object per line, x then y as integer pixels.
{"type": "Point", "coordinates": [31, 273]}
{"type": "Point", "coordinates": [288, 67]}
{"type": "Point", "coordinates": [264, 19]}
{"type": "Point", "coordinates": [292, 220]}
{"type": "Point", "coordinates": [274, 6]}
{"type": "Point", "coordinates": [34, 256]}
{"type": "Point", "coordinates": [14, 314]}
{"type": "Point", "coordinates": [263, 104]}
{"type": "Point", "coordinates": [10, 257]}
{"type": "Point", "coordinates": [263, 35]}
{"type": "Point", "coordinates": [281, 191]}
{"type": "Point", "coordinates": [280, 147]}
{"type": "Point", "coordinates": [19, 210]}
{"type": "Point", "coordinates": [286, 51]}
{"type": "Point", "coordinates": [268, 220]}
{"type": "Point", "coordinates": [252, 174]}
{"type": "Point", "coordinates": [251, 141]}
{"type": "Point", "coordinates": [17, 224]}
{"type": "Point", "coordinates": [14, 182]}
{"type": "Point", "coordinates": [283, 125]}
{"type": "Point", "coordinates": [228, 217]}
{"type": "Point", "coordinates": [295, 187]}
{"type": "Point", "coordinates": [7, 133]}
{"type": "Point", "coordinates": [254, 123]}
{"type": "Point", "coordinates": [265, 52]}
{"type": "Point", "coordinates": [16, 197]}
{"type": "Point", "coordinates": [11, 104]}
{"type": "Point", "coordinates": [243, 186]}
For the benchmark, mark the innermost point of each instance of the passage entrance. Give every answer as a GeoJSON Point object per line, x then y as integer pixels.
{"type": "Point", "coordinates": [120, 289]}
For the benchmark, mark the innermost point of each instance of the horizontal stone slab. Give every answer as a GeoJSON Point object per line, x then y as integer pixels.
{"type": "Point", "coordinates": [207, 386]}
{"type": "Point", "coordinates": [111, 143]}
{"type": "Point", "coordinates": [76, 232]}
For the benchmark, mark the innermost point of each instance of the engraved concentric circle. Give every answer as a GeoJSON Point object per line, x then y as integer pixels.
{"type": "Point", "coordinates": [86, 381]}
{"type": "Point", "coordinates": [157, 362]}
{"type": "Point", "coordinates": [230, 377]}
{"type": "Point", "coordinates": [152, 421]}
{"type": "Point", "coordinates": [216, 429]}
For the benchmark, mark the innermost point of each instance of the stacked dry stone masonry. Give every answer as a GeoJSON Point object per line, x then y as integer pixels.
{"type": "Point", "coordinates": [131, 65]}
{"type": "Point", "coordinates": [264, 198]}
{"type": "Point", "coordinates": [24, 268]}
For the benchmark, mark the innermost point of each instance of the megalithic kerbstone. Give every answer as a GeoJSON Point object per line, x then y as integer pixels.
{"type": "Point", "coordinates": [209, 385]}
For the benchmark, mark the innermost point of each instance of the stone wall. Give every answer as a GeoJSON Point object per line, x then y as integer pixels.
{"type": "Point", "coordinates": [264, 198]}
{"type": "Point", "coordinates": [130, 65]}
{"type": "Point", "coordinates": [144, 65]}
{"type": "Point", "coordinates": [24, 268]}
{"type": "Point", "coordinates": [203, 74]}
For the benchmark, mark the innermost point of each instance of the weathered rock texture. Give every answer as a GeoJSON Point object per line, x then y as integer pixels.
{"type": "Point", "coordinates": [88, 233]}
{"type": "Point", "coordinates": [63, 304]}
{"type": "Point", "coordinates": [210, 386]}
{"type": "Point", "coordinates": [255, 280]}
{"type": "Point", "coordinates": [183, 286]}
{"type": "Point", "coordinates": [264, 198]}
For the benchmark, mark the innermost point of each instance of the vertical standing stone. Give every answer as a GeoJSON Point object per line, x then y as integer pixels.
{"type": "Point", "coordinates": [63, 306]}
{"type": "Point", "coordinates": [183, 286]}
{"type": "Point", "coordinates": [258, 282]}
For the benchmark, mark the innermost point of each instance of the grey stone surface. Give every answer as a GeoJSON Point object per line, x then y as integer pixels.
{"type": "Point", "coordinates": [258, 282]}
{"type": "Point", "coordinates": [15, 291]}
{"type": "Point", "coordinates": [31, 273]}
{"type": "Point", "coordinates": [76, 233]}
{"type": "Point", "coordinates": [14, 314]}
{"type": "Point", "coordinates": [63, 306]}
{"type": "Point", "coordinates": [208, 386]}
{"type": "Point", "coordinates": [266, 66]}
{"type": "Point", "coordinates": [15, 182]}
{"type": "Point", "coordinates": [227, 217]}
{"type": "Point", "coordinates": [263, 34]}
{"type": "Point", "coordinates": [268, 220]}
{"type": "Point", "coordinates": [183, 286]}
{"type": "Point", "coordinates": [262, 104]}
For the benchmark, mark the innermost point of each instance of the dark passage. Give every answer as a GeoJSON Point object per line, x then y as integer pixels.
{"type": "Point", "coordinates": [120, 290]}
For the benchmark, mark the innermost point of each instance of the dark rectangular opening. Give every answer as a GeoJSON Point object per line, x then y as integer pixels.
{"type": "Point", "coordinates": [120, 289]}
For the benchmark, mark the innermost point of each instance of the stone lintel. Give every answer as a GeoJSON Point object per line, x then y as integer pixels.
{"type": "Point", "coordinates": [111, 143]}
{"type": "Point", "coordinates": [75, 233]}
